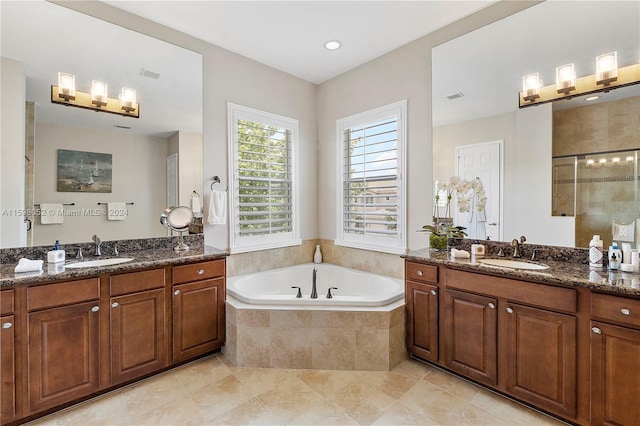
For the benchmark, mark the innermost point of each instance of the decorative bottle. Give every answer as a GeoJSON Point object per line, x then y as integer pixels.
{"type": "Point", "coordinates": [317, 257]}
{"type": "Point", "coordinates": [595, 252]}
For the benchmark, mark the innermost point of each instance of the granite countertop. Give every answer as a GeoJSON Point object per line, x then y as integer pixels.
{"type": "Point", "coordinates": [142, 259]}
{"type": "Point", "coordinates": [559, 273]}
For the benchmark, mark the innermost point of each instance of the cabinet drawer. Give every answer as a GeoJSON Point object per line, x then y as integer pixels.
{"type": "Point", "coordinates": [198, 271]}
{"type": "Point", "coordinates": [136, 281]}
{"type": "Point", "coordinates": [616, 308]}
{"type": "Point", "coordinates": [420, 272]}
{"type": "Point", "coordinates": [66, 293]}
{"type": "Point", "coordinates": [7, 302]}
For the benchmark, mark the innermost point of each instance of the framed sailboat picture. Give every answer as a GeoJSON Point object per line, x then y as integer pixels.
{"type": "Point", "coordinates": [80, 171]}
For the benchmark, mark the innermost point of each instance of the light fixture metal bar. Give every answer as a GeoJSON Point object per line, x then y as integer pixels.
{"type": "Point", "coordinates": [83, 100]}
{"type": "Point", "coordinates": [627, 76]}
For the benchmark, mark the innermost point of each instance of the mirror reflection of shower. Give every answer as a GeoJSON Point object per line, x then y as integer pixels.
{"type": "Point", "coordinates": [598, 189]}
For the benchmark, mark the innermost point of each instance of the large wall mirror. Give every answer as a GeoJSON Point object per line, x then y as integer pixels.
{"type": "Point", "coordinates": [155, 161]}
{"type": "Point", "coordinates": [476, 80]}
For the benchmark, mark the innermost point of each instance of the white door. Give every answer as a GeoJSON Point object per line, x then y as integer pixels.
{"type": "Point", "coordinates": [483, 161]}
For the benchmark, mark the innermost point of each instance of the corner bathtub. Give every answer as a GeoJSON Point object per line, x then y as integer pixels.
{"type": "Point", "coordinates": [361, 328]}
{"type": "Point", "coordinates": [354, 288]}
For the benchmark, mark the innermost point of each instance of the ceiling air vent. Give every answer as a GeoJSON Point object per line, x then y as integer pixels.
{"type": "Point", "coordinates": [149, 74]}
{"type": "Point", "coordinates": [455, 96]}
{"type": "Point", "coordinates": [122, 127]}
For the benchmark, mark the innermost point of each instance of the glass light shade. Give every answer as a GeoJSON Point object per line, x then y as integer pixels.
{"type": "Point", "coordinates": [607, 68]}
{"type": "Point", "coordinates": [128, 99]}
{"type": "Point", "coordinates": [565, 78]}
{"type": "Point", "coordinates": [531, 85]}
{"type": "Point", "coordinates": [66, 85]}
{"type": "Point", "coordinates": [98, 92]}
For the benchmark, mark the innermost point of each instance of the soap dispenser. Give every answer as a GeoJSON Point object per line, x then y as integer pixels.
{"type": "Point", "coordinates": [56, 255]}
{"type": "Point", "coordinates": [595, 252]}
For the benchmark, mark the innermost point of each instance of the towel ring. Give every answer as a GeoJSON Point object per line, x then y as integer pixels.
{"type": "Point", "coordinates": [216, 179]}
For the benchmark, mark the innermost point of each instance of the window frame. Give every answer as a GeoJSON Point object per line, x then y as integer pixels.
{"type": "Point", "coordinates": [242, 244]}
{"type": "Point", "coordinates": [398, 244]}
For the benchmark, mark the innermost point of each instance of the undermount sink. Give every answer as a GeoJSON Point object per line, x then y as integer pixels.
{"type": "Point", "coordinates": [99, 262]}
{"type": "Point", "coordinates": [513, 264]}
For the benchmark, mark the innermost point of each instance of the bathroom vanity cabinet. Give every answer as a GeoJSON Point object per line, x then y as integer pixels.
{"type": "Point", "coordinates": [615, 360]}
{"type": "Point", "coordinates": [527, 340]}
{"type": "Point", "coordinates": [198, 296]}
{"type": "Point", "coordinates": [421, 298]}
{"type": "Point", "coordinates": [7, 356]}
{"type": "Point", "coordinates": [74, 339]}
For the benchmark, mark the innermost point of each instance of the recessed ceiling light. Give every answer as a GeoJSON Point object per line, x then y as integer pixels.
{"type": "Point", "coordinates": [333, 44]}
{"type": "Point", "coordinates": [592, 98]}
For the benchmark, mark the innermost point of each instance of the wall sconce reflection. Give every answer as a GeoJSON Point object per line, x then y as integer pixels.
{"type": "Point", "coordinates": [607, 77]}
{"type": "Point", "coordinates": [97, 99]}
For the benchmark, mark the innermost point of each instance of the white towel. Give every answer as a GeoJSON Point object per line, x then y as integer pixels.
{"type": "Point", "coordinates": [117, 211]}
{"type": "Point", "coordinates": [460, 254]}
{"type": "Point", "coordinates": [195, 206]}
{"type": "Point", "coordinates": [217, 208]}
{"type": "Point", "coordinates": [51, 213]}
{"type": "Point", "coordinates": [28, 265]}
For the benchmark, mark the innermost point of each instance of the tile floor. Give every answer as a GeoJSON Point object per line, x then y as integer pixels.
{"type": "Point", "coordinates": [211, 391]}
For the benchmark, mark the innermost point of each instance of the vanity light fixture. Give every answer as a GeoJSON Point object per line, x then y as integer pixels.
{"type": "Point", "coordinates": [630, 158]}
{"type": "Point", "coordinates": [607, 68]}
{"type": "Point", "coordinates": [531, 85]}
{"type": "Point", "coordinates": [97, 99]}
{"type": "Point", "coordinates": [592, 98]}
{"type": "Point", "coordinates": [566, 78]}
{"type": "Point", "coordinates": [98, 93]}
{"type": "Point", "coordinates": [568, 85]}
{"type": "Point", "coordinates": [66, 86]}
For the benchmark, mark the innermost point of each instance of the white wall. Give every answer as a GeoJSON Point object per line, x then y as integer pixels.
{"type": "Point", "coordinates": [139, 176]}
{"type": "Point", "coordinates": [528, 183]}
{"type": "Point", "coordinates": [12, 150]}
{"type": "Point", "coordinates": [189, 166]}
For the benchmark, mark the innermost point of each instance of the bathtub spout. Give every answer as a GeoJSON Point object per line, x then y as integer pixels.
{"type": "Point", "coordinates": [314, 291]}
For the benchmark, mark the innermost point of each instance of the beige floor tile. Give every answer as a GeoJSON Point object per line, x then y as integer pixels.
{"type": "Point", "coordinates": [505, 409]}
{"type": "Point", "coordinates": [49, 420]}
{"type": "Point", "coordinates": [324, 413]}
{"type": "Point", "coordinates": [215, 399]}
{"type": "Point", "coordinates": [289, 398]}
{"type": "Point", "coordinates": [153, 392]}
{"type": "Point", "coordinates": [252, 412]}
{"type": "Point", "coordinates": [230, 365]}
{"type": "Point", "coordinates": [180, 411]}
{"type": "Point", "coordinates": [362, 402]}
{"type": "Point", "coordinates": [327, 382]}
{"type": "Point", "coordinates": [202, 372]}
{"type": "Point", "coordinates": [393, 384]}
{"type": "Point", "coordinates": [453, 384]}
{"type": "Point", "coordinates": [434, 403]}
{"type": "Point", "coordinates": [400, 414]}
{"type": "Point", "coordinates": [109, 409]}
{"type": "Point", "coordinates": [412, 367]}
{"type": "Point", "coordinates": [474, 416]}
{"type": "Point", "coordinates": [260, 380]}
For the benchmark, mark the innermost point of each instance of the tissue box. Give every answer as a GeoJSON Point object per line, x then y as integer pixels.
{"type": "Point", "coordinates": [55, 256]}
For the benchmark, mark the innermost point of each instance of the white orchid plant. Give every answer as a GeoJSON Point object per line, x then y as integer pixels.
{"type": "Point", "coordinates": [470, 195]}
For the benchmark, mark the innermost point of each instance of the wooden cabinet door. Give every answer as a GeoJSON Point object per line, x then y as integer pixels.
{"type": "Point", "coordinates": [540, 349]}
{"type": "Point", "coordinates": [198, 318]}
{"type": "Point", "coordinates": [422, 320]}
{"type": "Point", "coordinates": [63, 358]}
{"type": "Point", "coordinates": [471, 335]}
{"type": "Point", "coordinates": [7, 369]}
{"type": "Point", "coordinates": [615, 375]}
{"type": "Point", "coordinates": [138, 333]}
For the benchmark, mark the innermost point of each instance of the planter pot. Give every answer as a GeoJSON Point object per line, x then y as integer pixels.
{"type": "Point", "coordinates": [438, 242]}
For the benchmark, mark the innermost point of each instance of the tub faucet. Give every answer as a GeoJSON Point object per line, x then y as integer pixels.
{"type": "Point", "coordinates": [314, 290]}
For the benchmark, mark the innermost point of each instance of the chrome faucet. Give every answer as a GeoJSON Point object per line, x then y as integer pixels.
{"type": "Point", "coordinates": [314, 291]}
{"type": "Point", "coordinates": [517, 251]}
{"type": "Point", "coordinates": [98, 241]}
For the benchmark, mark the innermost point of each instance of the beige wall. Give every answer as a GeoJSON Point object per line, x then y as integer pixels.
{"type": "Point", "coordinates": [12, 150]}
{"type": "Point", "coordinates": [139, 176]}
